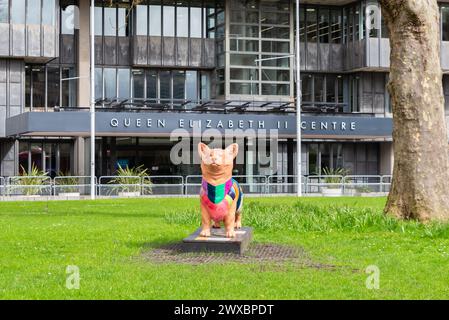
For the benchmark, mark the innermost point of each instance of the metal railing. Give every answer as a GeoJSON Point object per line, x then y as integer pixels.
{"type": "Point", "coordinates": [135, 186]}
{"type": "Point", "coordinates": [72, 186]}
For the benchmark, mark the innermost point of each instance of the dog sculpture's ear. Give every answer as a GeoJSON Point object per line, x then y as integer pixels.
{"type": "Point", "coordinates": [233, 149]}
{"type": "Point", "coordinates": [203, 149]}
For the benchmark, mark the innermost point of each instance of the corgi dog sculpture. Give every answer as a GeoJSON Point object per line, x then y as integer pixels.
{"type": "Point", "coordinates": [221, 196]}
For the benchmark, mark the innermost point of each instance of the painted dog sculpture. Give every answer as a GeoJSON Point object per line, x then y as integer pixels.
{"type": "Point", "coordinates": [221, 196]}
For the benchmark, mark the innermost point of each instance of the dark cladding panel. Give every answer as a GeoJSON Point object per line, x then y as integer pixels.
{"type": "Point", "coordinates": [195, 56]}
{"type": "Point", "coordinates": [110, 49]}
{"type": "Point", "coordinates": [155, 53]}
{"type": "Point", "coordinates": [4, 39]}
{"type": "Point", "coordinates": [337, 57]}
{"type": "Point", "coordinates": [140, 50]}
{"type": "Point", "coordinates": [209, 53]}
{"type": "Point", "coordinates": [324, 50]}
{"type": "Point", "coordinates": [123, 51]}
{"type": "Point", "coordinates": [182, 52]}
{"type": "Point", "coordinates": [312, 56]}
{"type": "Point", "coordinates": [169, 51]}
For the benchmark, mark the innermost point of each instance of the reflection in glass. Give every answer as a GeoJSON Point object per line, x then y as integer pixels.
{"type": "Point", "coordinates": [165, 85]}
{"type": "Point", "coordinates": [182, 21]}
{"type": "Point", "coordinates": [169, 21]}
{"type": "Point", "coordinates": [98, 21]}
{"type": "Point", "coordinates": [123, 83]}
{"type": "Point", "coordinates": [138, 84]}
{"type": "Point", "coordinates": [48, 12]}
{"type": "Point", "coordinates": [53, 86]}
{"type": "Point", "coordinates": [110, 21]}
{"type": "Point", "coordinates": [155, 21]}
{"type": "Point", "coordinates": [38, 83]}
{"type": "Point", "coordinates": [18, 11]}
{"type": "Point", "coordinates": [151, 84]}
{"type": "Point", "coordinates": [110, 83]}
{"type": "Point", "coordinates": [33, 12]}
{"type": "Point", "coordinates": [98, 83]}
{"type": "Point", "coordinates": [178, 85]}
{"type": "Point", "coordinates": [4, 11]}
{"type": "Point", "coordinates": [191, 85]}
{"type": "Point", "coordinates": [122, 27]}
{"type": "Point", "coordinates": [141, 14]}
{"type": "Point", "coordinates": [68, 20]}
{"type": "Point", "coordinates": [195, 22]}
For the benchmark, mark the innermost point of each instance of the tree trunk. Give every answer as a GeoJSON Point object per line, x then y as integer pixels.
{"type": "Point", "coordinates": [420, 186]}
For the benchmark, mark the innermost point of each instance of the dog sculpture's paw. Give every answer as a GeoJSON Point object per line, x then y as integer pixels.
{"type": "Point", "coordinates": [205, 233]}
{"type": "Point", "coordinates": [230, 234]}
{"type": "Point", "coordinates": [238, 224]}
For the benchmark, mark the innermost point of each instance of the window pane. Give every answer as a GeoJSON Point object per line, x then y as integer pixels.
{"type": "Point", "coordinates": [336, 26]}
{"type": "Point", "coordinates": [110, 83]}
{"type": "Point", "coordinates": [98, 21]}
{"type": "Point", "coordinates": [68, 20]}
{"type": "Point", "coordinates": [275, 75]}
{"type": "Point", "coordinates": [64, 157]}
{"type": "Point", "coordinates": [138, 84]}
{"type": "Point", "coordinates": [53, 86]}
{"type": "Point", "coordinates": [36, 155]}
{"type": "Point", "coordinates": [123, 29]}
{"type": "Point", "coordinates": [244, 74]}
{"type": "Point", "coordinates": [48, 12]}
{"type": "Point", "coordinates": [155, 20]}
{"type": "Point", "coordinates": [205, 86]}
{"type": "Point", "coordinates": [178, 85]}
{"type": "Point", "coordinates": [276, 61]}
{"type": "Point", "coordinates": [275, 32]}
{"type": "Point", "coordinates": [306, 88]}
{"type": "Point", "coordinates": [244, 45]}
{"type": "Point", "coordinates": [151, 84]}
{"type": "Point", "coordinates": [4, 11]}
{"type": "Point", "coordinates": [123, 83]}
{"type": "Point", "coordinates": [244, 88]}
{"type": "Point", "coordinates": [182, 21]}
{"type": "Point", "coordinates": [331, 81]}
{"type": "Point", "coordinates": [195, 22]}
{"type": "Point", "coordinates": [243, 59]}
{"type": "Point", "coordinates": [311, 21]}
{"type": "Point", "coordinates": [324, 25]}
{"type": "Point", "coordinates": [18, 11]}
{"type": "Point", "coordinates": [34, 12]}
{"type": "Point", "coordinates": [275, 89]}
{"type": "Point", "coordinates": [191, 85]}
{"type": "Point", "coordinates": [165, 83]}
{"type": "Point", "coordinates": [319, 88]}
{"type": "Point", "coordinates": [141, 14]}
{"type": "Point", "coordinates": [98, 83]}
{"type": "Point", "coordinates": [110, 22]}
{"type": "Point", "coordinates": [69, 87]}
{"type": "Point", "coordinates": [169, 21]}
{"type": "Point", "coordinates": [23, 156]}
{"type": "Point", "coordinates": [275, 46]}
{"type": "Point", "coordinates": [244, 31]}
{"type": "Point", "coordinates": [38, 78]}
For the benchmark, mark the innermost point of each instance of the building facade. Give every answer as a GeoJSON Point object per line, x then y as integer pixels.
{"type": "Point", "coordinates": [165, 65]}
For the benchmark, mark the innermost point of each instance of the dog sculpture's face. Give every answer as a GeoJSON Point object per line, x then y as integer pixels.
{"type": "Point", "coordinates": [217, 161]}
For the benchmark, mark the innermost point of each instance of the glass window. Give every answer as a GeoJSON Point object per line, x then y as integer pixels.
{"type": "Point", "coordinates": [191, 85]}
{"type": "Point", "coordinates": [307, 87]}
{"type": "Point", "coordinates": [110, 21]}
{"type": "Point", "coordinates": [275, 46]}
{"type": "Point", "coordinates": [68, 20]}
{"type": "Point", "coordinates": [244, 31]}
{"type": "Point", "coordinates": [302, 26]}
{"type": "Point", "coordinates": [110, 83]}
{"type": "Point", "coordinates": [323, 26]}
{"type": "Point", "coordinates": [179, 79]}
{"type": "Point", "coordinates": [155, 20]}
{"type": "Point", "coordinates": [169, 21]}
{"type": "Point", "coordinates": [138, 84]}
{"type": "Point", "coordinates": [276, 61]}
{"type": "Point", "coordinates": [182, 21]}
{"type": "Point", "coordinates": [205, 86]}
{"type": "Point", "coordinates": [244, 74]}
{"type": "Point", "coordinates": [18, 11]}
{"type": "Point", "coordinates": [244, 88]}
{"type": "Point", "coordinates": [98, 83]}
{"type": "Point", "coordinates": [34, 12]}
{"type": "Point", "coordinates": [38, 82]}
{"type": "Point", "coordinates": [336, 26]}
{"type": "Point", "coordinates": [195, 22]}
{"type": "Point", "coordinates": [122, 27]}
{"type": "Point", "coordinates": [23, 156]}
{"type": "Point", "coordinates": [53, 86]}
{"type": "Point", "coordinates": [319, 88]}
{"type": "Point", "coordinates": [48, 12]}
{"type": "Point", "coordinates": [4, 11]}
{"type": "Point", "coordinates": [165, 85]}
{"type": "Point", "coordinates": [123, 83]}
{"type": "Point", "coordinates": [385, 33]}
{"type": "Point", "coordinates": [36, 155]}
{"type": "Point", "coordinates": [64, 157]}
{"type": "Point", "coordinates": [311, 24]}
{"type": "Point", "coordinates": [151, 84]}
{"type": "Point", "coordinates": [275, 32]}
{"type": "Point", "coordinates": [141, 14]}
{"type": "Point", "coordinates": [244, 45]}
{"type": "Point", "coordinates": [69, 87]}
{"type": "Point", "coordinates": [331, 81]}
{"type": "Point", "coordinates": [269, 89]}
{"type": "Point", "coordinates": [243, 59]}
{"type": "Point", "coordinates": [275, 75]}
{"type": "Point", "coordinates": [98, 21]}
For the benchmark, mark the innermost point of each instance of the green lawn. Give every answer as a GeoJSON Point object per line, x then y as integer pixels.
{"type": "Point", "coordinates": [106, 239]}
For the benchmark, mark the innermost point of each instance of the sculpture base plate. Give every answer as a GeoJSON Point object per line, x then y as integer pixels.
{"type": "Point", "coordinates": [218, 242]}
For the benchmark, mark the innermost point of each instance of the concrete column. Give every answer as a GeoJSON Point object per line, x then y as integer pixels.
{"type": "Point", "coordinates": [386, 158]}
{"type": "Point", "coordinates": [9, 157]}
{"type": "Point", "coordinates": [84, 54]}
{"type": "Point", "coordinates": [79, 156]}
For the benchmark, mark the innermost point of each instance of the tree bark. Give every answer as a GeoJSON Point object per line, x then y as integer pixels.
{"type": "Point", "coordinates": [420, 186]}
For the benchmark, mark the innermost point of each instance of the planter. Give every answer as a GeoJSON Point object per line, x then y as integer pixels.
{"type": "Point", "coordinates": [331, 192]}
{"type": "Point", "coordinates": [70, 194]}
{"type": "Point", "coordinates": [129, 194]}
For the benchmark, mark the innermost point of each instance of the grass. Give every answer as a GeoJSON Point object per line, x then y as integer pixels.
{"type": "Point", "coordinates": [105, 239]}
